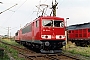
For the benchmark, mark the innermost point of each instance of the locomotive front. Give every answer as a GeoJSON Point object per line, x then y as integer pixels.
{"type": "Point", "coordinates": [52, 34]}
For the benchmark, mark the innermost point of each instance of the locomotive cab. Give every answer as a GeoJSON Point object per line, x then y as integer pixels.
{"type": "Point", "coordinates": [53, 29]}
{"type": "Point", "coordinates": [53, 34]}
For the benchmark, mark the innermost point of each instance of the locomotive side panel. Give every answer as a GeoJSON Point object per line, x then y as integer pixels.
{"type": "Point", "coordinates": [27, 32]}
{"type": "Point", "coordinates": [81, 34]}
{"type": "Point", "coordinates": [37, 30]}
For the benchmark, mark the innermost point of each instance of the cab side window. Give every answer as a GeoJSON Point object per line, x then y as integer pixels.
{"type": "Point", "coordinates": [37, 23]}
{"type": "Point", "coordinates": [16, 34]}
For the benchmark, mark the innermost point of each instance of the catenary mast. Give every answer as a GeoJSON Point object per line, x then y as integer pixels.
{"type": "Point", "coordinates": [54, 7]}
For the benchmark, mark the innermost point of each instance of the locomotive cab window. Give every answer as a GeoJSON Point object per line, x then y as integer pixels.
{"type": "Point", "coordinates": [58, 23]}
{"type": "Point", "coordinates": [48, 23]}
{"type": "Point", "coordinates": [27, 29]}
{"type": "Point", "coordinates": [53, 23]}
{"type": "Point", "coordinates": [88, 30]}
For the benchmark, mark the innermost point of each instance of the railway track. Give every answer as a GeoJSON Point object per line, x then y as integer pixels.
{"type": "Point", "coordinates": [50, 57]}
{"type": "Point", "coordinates": [31, 55]}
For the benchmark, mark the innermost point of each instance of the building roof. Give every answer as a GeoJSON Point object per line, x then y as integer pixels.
{"type": "Point", "coordinates": [79, 26]}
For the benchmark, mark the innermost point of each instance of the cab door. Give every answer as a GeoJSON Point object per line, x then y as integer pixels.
{"type": "Point", "coordinates": [33, 31]}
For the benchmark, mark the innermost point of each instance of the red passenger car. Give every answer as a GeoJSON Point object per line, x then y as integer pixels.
{"type": "Point", "coordinates": [18, 36]}
{"type": "Point", "coordinates": [46, 33]}
{"type": "Point", "coordinates": [80, 34]}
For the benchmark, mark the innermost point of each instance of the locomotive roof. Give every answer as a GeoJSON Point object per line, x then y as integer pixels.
{"type": "Point", "coordinates": [44, 17]}
{"type": "Point", "coordinates": [49, 17]}
{"type": "Point", "coordinates": [79, 26]}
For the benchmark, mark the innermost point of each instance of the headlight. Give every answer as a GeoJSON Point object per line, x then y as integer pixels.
{"type": "Point", "coordinates": [60, 36]}
{"type": "Point", "coordinates": [46, 36]}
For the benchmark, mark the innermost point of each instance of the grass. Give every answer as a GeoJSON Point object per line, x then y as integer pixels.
{"type": "Point", "coordinates": [12, 42]}
{"type": "Point", "coordinates": [8, 49]}
{"type": "Point", "coordinates": [83, 51]}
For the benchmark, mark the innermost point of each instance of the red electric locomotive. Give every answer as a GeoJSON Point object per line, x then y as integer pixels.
{"type": "Point", "coordinates": [79, 34]}
{"type": "Point", "coordinates": [46, 33]}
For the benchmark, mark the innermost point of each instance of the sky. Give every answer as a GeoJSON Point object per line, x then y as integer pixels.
{"type": "Point", "coordinates": [78, 11]}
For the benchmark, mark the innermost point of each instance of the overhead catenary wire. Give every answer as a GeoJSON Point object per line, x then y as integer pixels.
{"type": "Point", "coordinates": [21, 5]}
{"type": "Point", "coordinates": [29, 15]}
{"type": "Point", "coordinates": [33, 10]}
{"type": "Point", "coordinates": [15, 10]}
{"type": "Point", "coordinates": [8, 9]}
{"type": "Point", "coordinates": [12, 11]}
